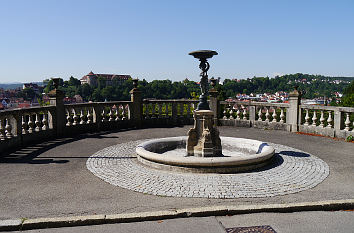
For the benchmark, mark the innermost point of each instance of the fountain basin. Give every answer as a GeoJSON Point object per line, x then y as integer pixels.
{"type": "Point", "coordinates": [239, 155]}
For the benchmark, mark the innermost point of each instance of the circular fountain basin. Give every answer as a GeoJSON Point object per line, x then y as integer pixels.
{"type": "Point", "coordinates": [239, 155]}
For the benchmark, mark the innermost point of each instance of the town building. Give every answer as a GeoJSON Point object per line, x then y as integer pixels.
{"type": "Point", "coordinates": [92, 78]}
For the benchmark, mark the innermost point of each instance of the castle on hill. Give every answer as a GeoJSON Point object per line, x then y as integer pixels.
{"type": "Point", "coordinates": [92, 78]}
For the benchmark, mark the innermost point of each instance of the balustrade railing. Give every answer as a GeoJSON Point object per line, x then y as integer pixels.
{"type": "Point", "coordinates": [79, 114]}
{"type": "Point", "coordinates": [327, 120]}
{"type": "Point", "coordinates": [256, 114]}
{"type": "Point", "coordinates": [20, 126]}
{"type": "Point", "coordinates": [94, 113]}
{"type": "Point", "coordinates": [235, 110]}
{"type": "Point", "coordinates": [174, 110]}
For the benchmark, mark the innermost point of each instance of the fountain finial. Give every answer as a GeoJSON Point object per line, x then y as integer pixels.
{"type": "Point", "coordinates": [203, 55]}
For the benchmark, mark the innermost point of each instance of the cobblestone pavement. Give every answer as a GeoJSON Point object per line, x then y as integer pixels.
{"type": "Point", "coordinates": [293, 171]}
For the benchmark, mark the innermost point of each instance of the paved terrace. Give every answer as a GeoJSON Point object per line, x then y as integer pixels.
{"type": "Point", "coordinates": [51, 179]}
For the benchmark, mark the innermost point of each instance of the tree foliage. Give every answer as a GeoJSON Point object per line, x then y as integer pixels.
{"type": "Point", "coordinates": [311, 86]}
{"type": "Point", "coordinates": [348, 98]}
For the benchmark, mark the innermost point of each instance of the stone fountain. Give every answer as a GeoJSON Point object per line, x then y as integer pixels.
{"type": "Point", "coordinates": [203, 138]}
{"type": "Point", "coordinates": [202, 150]}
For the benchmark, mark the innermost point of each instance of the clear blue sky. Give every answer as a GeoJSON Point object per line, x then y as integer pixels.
{"type": "Point", "coordinates": [151, 39]}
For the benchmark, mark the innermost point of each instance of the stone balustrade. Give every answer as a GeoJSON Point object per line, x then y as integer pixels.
{"type": "Point", "coordinates": [94, 113]}
{"type": "Point", "coordinates": [91, 117]}
{"type": "Point", "coordinates": [164, 112]}
{"type": "Point", "coordinates": [326, 120]}
{"type": "Point", "coordinates": [255, 114]}
{"type": "Point", "coordinates": [21, 126]}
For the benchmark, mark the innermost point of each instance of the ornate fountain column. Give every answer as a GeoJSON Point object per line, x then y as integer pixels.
{"type": "Point", "coordinates": [203, 138]}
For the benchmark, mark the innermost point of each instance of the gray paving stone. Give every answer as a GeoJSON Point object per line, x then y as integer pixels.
{"type": "Point", "coordinates": [294, 171]}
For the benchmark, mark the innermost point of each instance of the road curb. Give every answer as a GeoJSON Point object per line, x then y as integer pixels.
{"type": "Point", "coordinates": [55, 222]}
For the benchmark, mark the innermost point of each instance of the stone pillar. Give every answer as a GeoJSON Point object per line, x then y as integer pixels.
{"type": "Point", "coordinates": [293, 111]}
{"type": "Point", "coordinates": [97, 115]}
{"type": "Point", "coordinates": [59, 117]}
{"type": "Point", "coordinates": [337, 123]}
{"type": "Point", "coordinates": [174, 112]}
{"type": "Point", "coordinates": [136, 111]}
{"type": "Point", "coordinates": [252, 114]}
{"type": "Point", "coordinates": [17, 127]}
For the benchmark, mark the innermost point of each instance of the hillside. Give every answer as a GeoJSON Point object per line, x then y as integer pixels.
{"type": "Point", "coordinates": [311, 85]}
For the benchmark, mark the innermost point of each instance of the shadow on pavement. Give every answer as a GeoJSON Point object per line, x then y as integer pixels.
{"type": "Point", "coordinates": [29, 154]}
{"type": "Point", "coordinates": [294, 154]}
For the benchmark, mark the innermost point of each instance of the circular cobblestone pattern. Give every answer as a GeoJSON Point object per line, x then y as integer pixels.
{"type": "Point", "coordinates": [292, 171]}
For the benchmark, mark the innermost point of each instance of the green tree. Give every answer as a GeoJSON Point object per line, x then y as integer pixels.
{"type": "Point", "coordinates": [348, 98]}
{"type": "Point", "coordinates": [74, 82]}
{"type": "Point", "coordinates": [28, 93]}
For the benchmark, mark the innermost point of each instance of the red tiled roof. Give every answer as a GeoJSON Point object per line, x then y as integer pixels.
{"type": "Point", "coordinates": [24, 105]}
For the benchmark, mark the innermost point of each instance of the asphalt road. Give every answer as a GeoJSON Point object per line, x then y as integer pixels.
{"type": "Point", "coordinates": [51, 179]}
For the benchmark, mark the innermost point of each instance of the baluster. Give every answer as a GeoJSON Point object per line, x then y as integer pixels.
{"type": "Point", "coordinates": [244, 113]}
{"type": "Point", "coordinates": [45, 121]}
{"type": "Point", "coordinates": [76, 117]}
{"type": "Point", "coordinates": [110, 114]}
{"type": "Point", "coordinates": [30, 123]}
{"type": "Point", "coordinates": [238, 113]}
{"type": "Point", "coordinates": [68, 118]}
{"type": "Point", "coordinates": [147, 112]}
{"type": "Point", "coordinates": [117, 113]}
{"type": "Point", "coordinates": [274, 115]}
{"type": "Point", "coordinates": [38, 123]}
{"type": "Point", "coordinates": [347, 122]}
{"type": "Point", "coordinates": [153, 110]}
{"type": "Point", "coordinates": [8, 128]}
{"type": "Point", "coordinates": [322, 119]}
{"type": "Point", "coordinates": [189, 112]}
{"type": "Point", "coordinates": [224, 113]}
{"type": "Point", "coordinates": [329, 120]}
{"type": "Point", "coordinates": [231, 113]}
{"type": "Point", "coordinates": [82, 117]}
{"type": "Point", "coordinates": [282, 116]}
{"type": "Point", "coordinates": [24, 125]}
{"type": "Point", "coordinates": [307, 117]}
{"type": "Point", "coordinates": [166, 110]}
{"type": "Point", "coordinates": [2, 129]}
{"type": "Point", "coordinates": [260, 114]}
{"type": "Point", "coordinates": [124, 113]}
{"type": "Point", "coordinates": [89, 116]}
{"type": "Point", "coordinates": [314, 118]}
{"type": "Point", "coordinates": [159, 110]}
{"type": "Point", "coordinates": [181, 109]}
{"type": "Point", "coordinates": [267, 114]}
{"type": "Point", "coordinates": [104, 114]}
{"type": "Point", "coordinates": [159, 113]}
